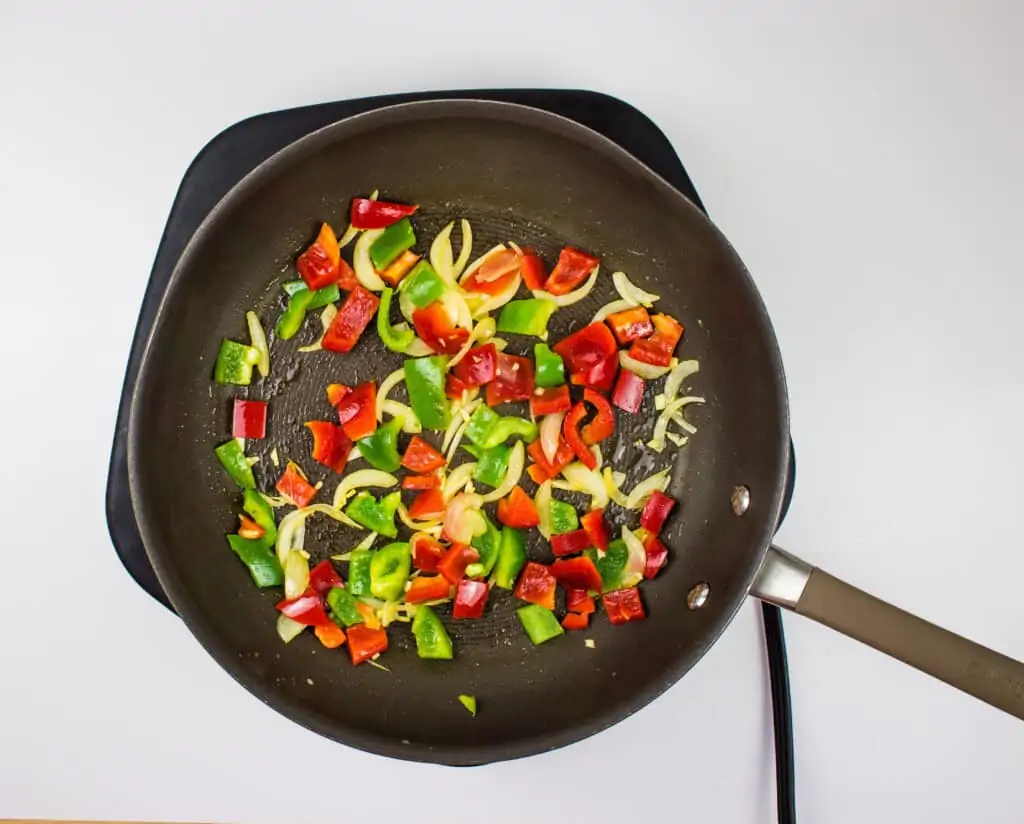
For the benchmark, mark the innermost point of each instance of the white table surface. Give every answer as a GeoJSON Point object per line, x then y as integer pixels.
{"type": "Point", "coordinates": [866, 160]}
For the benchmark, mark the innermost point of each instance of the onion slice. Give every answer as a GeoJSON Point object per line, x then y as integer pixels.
{"type": "Point", "coordinates": [386, 385]}
{"type": "Point", "coordinates": [466, 250]}
{"type": "Point", "coordinates": [634, 294]}
{"type": "Point", "coordinates": [359, 479]}
{"type": "Point", "coordinates": [492, 302]}
{"type": "Point", "coordinates": [458, 310]}
{"type": "Point", "coordinates": [417, 349]}
{"type": "Point", "coordinates": [571, 297]}
{"type": "Point", "coordinates": [441, 255]}
{"type": "Point", "coordinates": [586, 480]}
{"type": "Point", "coordinates": [457, 480]}
{"type": "Point", "coordinates": [638, 498]}
{"type": "Point", "coordinates": [476, 264]}
{"type": "Point", "coordinates": [296, 573]}
{"type": "Point", "coordinates": [542, 500]}
{"type": "Point", "coordinates": [612, 482]}
{"type": "Point", "coordinates": [431, 527]}
{"type": "Point", "coordinates": [258, 338]}
{"type": "Point", "coordinates": [680, 373]}
{"type": "Point", "coordinates": [647, 371]}
{"type": "Point", "coordinates": [287, 628]}
{"type": "Point", "coordinates": [361, 263]}
{"type": "Point", "coordinates": [671, 411]}
{"type": "Point", "coordinates": [637, 559]}
{"type": "Point", "coordinates": [550, 433]}
{"type": "Point", "coordinates": [326, 319]}
{"type": "Point", "coordinates": [516, 460]}
{"type": "Point", "coordinates": [611, 309]}
{"type": "Point", "coordinates": [410, 422]}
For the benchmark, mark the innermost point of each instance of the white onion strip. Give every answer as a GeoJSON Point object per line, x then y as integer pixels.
{"type": "Point", "coordinates": [457, 480]}
{"type": "Point", "coordinates": [612, 482]}
{"type": "Point", "coordinates": [410, 422]}
{"type": "Point", "coordinates": [672, 408]}
{"type": "Point", "coordinates": [363, 265]}
{"type": "Point", "coordinates": [637, 499]}
{"type": "Point", "coordinates": [589, 481]}
{"type": "Point", "coordinates": [611, 309]}
{"type": "Point", "coordinates": [386, 385]}
{"type": "Point", "coordinates": [441, 255]}
{"type": "Point", "coordinates": [632, 293]}
{"type": "Point", "coordinates": [550, 431]}
{"type": "Point", "coordinates": [359, 479]}
{"type": "Point", "coordinates": [680, 373]}
{"type": "Point", "coordinates": [635, 561]}
{"type": "Point", "coordinates": [542, 500]}
{"type": "Point", "coordinates": [493, 302]}
{"type": "Point", "coordinates": [258, 338]}
{"type": "Point", "coordinates": [466, 250]}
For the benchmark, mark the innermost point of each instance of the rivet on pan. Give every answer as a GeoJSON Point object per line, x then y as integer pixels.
{"type": "Point", "coordinates": [698, 595]}
{"type": "Point", "coordinates": [740, 500]}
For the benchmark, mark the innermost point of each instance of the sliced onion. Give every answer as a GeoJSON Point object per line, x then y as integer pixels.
{"type": "Point", "coordinates": [684, 424]}
{"type": "Point", "coordinates": [410, 422]}
{"type": "Point", "coordinates": [670, 412]}
{"type": "Point", "coordinates": [476, 264]}
{"type": "Point", "coordinates": [642, 491]}
{"type": "Point", "coordinates": [460, 430]}
{"type": "Point", "coordinates": [484, 330]}
{"type": "Point", "coordinates": [680, 373]}
{"type": "Point", "coordinates": [542, 500]}
{"type": "Point", "coordinates": [290, 533]}
{"type": "Point", "coordinates": [516, 461]}
{"type": "Point", "coordinates": [359, 479]}
{"type": "Point", "coordinates": [386, 385]}
{"type": "Point", "coordinates": [326, 319]}
{"type": "Point", "coordinates": [589, 481]}
{"type": "Point", "coordinates": [462, 519]}
{"type": "Point", "coordinates": [595, 450]}
{"type": "Point", "coordinates": [612, 482]}
{"type": "Point", "coordinates": [354, 454]}
{"type": "Point", "coordinates": [493, 302]}
{"type": "Point", "coordinates": [466, 250]}
{"type": "Point", "coordinates": [287, 628]}
{"type": "Point", "coordinates": [550, 434]}
{"type": "Point", "coordinates": [457, 480]}
{"type": "Point", "coordinates": [647, 371]}
{"type": "Point", "coordinates": [352, 231]}
{"type": "Point", "coordinates": [634, 294]}
{"type": "Point", "coordinates": [677, 439]}
{"type": "Point", "coordinates": [458, 309]}
{"type": "Point", "coordinates": [275, 459]}
{"type": "Point", "coordinates": [571, 297]}
{"type": "Point", "coordinates": [611, 309]}
{"type": "Point", "coordinates": [441, 255]}
{"type": "Point", "coordinates": [363, 265]}
{"type": "Point", "coordinates": [417, 349]}
{"type": "Point", "coordinates": [296, 574]}
{"type": "Point", "coordinates": [258, 338]}
{"type": "Point", "coordinates": [406, 306]}
{"type": "Point", "coordinates": [431, 527]}
{"type": "Point", "coordinates": [636, 561]}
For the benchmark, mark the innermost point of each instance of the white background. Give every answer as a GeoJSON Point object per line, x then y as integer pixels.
{"type": "Point", "coordinates": [866, 160]}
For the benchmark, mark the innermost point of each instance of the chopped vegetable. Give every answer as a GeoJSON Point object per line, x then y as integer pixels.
{"type": "Point", "coordinates": [470, 599]}
{"type": "Point", "coordinates": [331, 446]}
{"type": "Point", "coordinates": [658, 349]}
{"type": "Point", "coordinates": [426, 588]}
{"type": "Point", "coordinates": [631, 324]}
{"type": "Point", "coordinates": [359, 479]}
{"type": "Point", "coordinates": [513, 380]}
{"type": "Point", "coordinates": [623, 605]}
{"type": "Point", "coordinates": [577, 573]}
{"type": "Point", "coordinates": [603, 424]}
{"type": "Point", "coordinates": [294, 486]}
{"type": "Point", "coordinates": [550, 401]}
{"type": "Point", "coordinates": [537, 585]}
{"type": "Point", "coordinates": [488, 545]}
{"type": "Point", "coordinates": [389, 570]}
{"type": "Point", "coordinates": [432, 639]}
{"type": "Point", "coordinates": [426, 552]}
{"type": "Point", "coordinates": [320, 264]}
{"type": "Point", "coordinates": [573, 437]}
{"type": "Point", "coordinates": [395, 338]}
{"type": "Point", "coordinates": [509, 427]}
{"type": "Point", "coordinates": [518, 510]}
{"type": "Point", "coordinates": [294, 315]}
{"type": "Point", "coordinates": [453, 565]}
{"type": "Point", "coordinates": [531, 268]}
{"type": "Point", "coordinates": [321, 297]}
{"type": "Point", "coordinates": [379, 517]}
{"type": "Point", "coordinates": [572, 268]}
{"type": "Point", "coordinates": [492, 464]}
{"type": "Point", "coordinates": [577, 600]}
{"type": "Point", "coordinates": [422, 286]}
{"type": "Point", "coordinates": [435, 327]}
{"type": "Point", "coordinates": [638, 498]}
{"type": "Point", "coordinates": [478, 366]}
{"type": "Point", "coordinates": [575, 620]}
{"type": "Point", "coordinates": [656, 556]}
{"type": "Point", "coordinates": [481, 424]}
{"type": "Point", "coordinates": [633, 295]}
{"type": "Point", "coordinates": [323, 578]}
{"type": "Point", "coordinates": [656, 511]}
{"type": "Point", "coordinates": [424, 378]}
{"type": "Point", "coordinates": [234, 363]}
{"type": "Point", "coordinates": [428, 505]}
{"type": "Point", "coordinates": [399, 268]}
{"type": "Point", "coordinates": [380, 448]}
{"type": "Point", "coordinates": [344, 607]}
{"type": "Point", "coordinates": [232, 458]}
{"type": "Point", "coordinates": [261, 562]}
{"type": "Point", "coordinates": [511, 558]}
{"type": "Point", "coordinates": [569, 543]}
{"type": "Point", "coordinates": [259, 342]}
{"type": "Point", "coordinates": [359, 571]}
{"type": "Point", "coordinates": [550, 367]}
{"type": "Point", "coordinates": [540, 623]}
{"type": "Point", "coordinates": [629, 392]}
{"type": "Point", "coordinates": [597, 528]}
{"type": "Point", "coordinates": [526, 317]}
{"type": "Point", "coordinates": [586, 349]}
{"type": "Point", "coordinates": [370, 213]}
{"type": "Point", "coordinates": [394, 240]}
{"type": "Point", "coordinates": [306, 609]}
{"type": "Point", "coordinates": [249, 419]}
{"type": "Point", "coordinates": [330, 635]}
{"type": "Point", "coordinates": [549, 468]}
{"type": "Point", "coordinates": [469, 702]}
{"type": "Point", "coordinates": [364, 643]}
{"type": "Point", "coordinates": [420, 456]}
{"type": "Point", "coordinates": [353, 317]}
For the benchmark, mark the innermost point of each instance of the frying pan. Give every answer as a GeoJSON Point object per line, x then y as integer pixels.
{"type": "Point", "coordinates": [522, 174]}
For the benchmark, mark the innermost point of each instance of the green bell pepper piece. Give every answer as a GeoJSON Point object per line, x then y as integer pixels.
{"type": "Point", "coordinates": [381, 447]}
{"type": "Point", "coordinates": [234, 363]}
{"type": "Point", "coordinates": [260, 559]}
{"type": "Point", "coordinates": [432, 639]}
{"type": "Point", "coordinates": [321, 297]}
{"type": "Point", "coordinates": [481, 422]}
{"type": "Point", "coordinates": [563, 517]}
{"type": "Point", "coordinates": [489, 547]}
{"type": "Point", "coordinates": [492, 464]}
{"type": "Point", "coordinates": [389, 570]}
{"type": "Point", "coordinates": [550, 370]}
{"type": "Point", "coordinates": [359, 571]}
{"type": "Point", "coordinates": [424, 380]}
{"type": "Point", "coordinates": [422, 285]}
{"type": "Point", "coordinates": [232, 458]}
{"type": "Point", "coordinates": [377, 517]}
{"type": "Point", "coordinates": [526, 317]}
{"type": "Point", "coordinates": [397, 340]}
{"type": "Point", "coordinates": [612, 565]}
{"type": "Point", "coordinates": [510, 427]}
{"type": "Point", "coordinates": [294, 314]}
{"type": "Point", "coordinates": [469, 702]}
{"type": "Point", "coordinates": [391, 243]}
{"type": "Point", "coordinates": [540, 623]}
{"type": "Point", "coordinates": [344, 609]}
{"type": "Point", "coordinates": [511, 558]}
{"type": "Point", "coordinates": [257, 508]}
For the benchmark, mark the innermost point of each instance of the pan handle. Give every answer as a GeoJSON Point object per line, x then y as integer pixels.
{"type": "Point", "coordinates": [789, 582]}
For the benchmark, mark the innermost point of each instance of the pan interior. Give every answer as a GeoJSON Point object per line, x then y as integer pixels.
{"type": "Point", "coordinates": [519, 175]}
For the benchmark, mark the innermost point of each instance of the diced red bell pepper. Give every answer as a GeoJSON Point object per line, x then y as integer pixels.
{"type": "Point", "coordinates": [599, 376]}
{"type": "Point", "coordinates": [531, 267]}
{"type": "Point", "coordinates": [513, 380]}
{"type": "Point", "coordinates": [549, 469]}
{"type": "Point", "coordinates": [346, 277]}
{"type": "Point", "coordinates": [537, 585]}
{"type": "Point", "coordinates": [470, 599]}
{"type": "Point", "coordinates": [657, 556]}
{"type": "Point", "coordinates": [631, 324]}
{"type": "Point", "coordinates": [377, 214]}
{"type": "Point", "coordinates": [422, 482]}
{"type": "Point", "coordinates": [603, 424]}
{"type": "Point", "coordinates": [568, 543]}
{"type": "Point", "coordinates": [395, 271]}
{"type": "Point", "coordinates": [454, 387]}
{"type": "Point", "coordinates": [549, 400]}
{"type": "Point", "coordinates": [427, 506]}
{"type": "Point", "coordinates": [587, 347]}
{"type": "Point", "coordinates": [574, 620]}
{"type": "Point", "coordinates": [659, 348]}
{"type": "Point", "coordinates": [596, 528]}
{"type": "Point", "coordinates": [623, 605]}
{"type": "Point", "coordinates": [357, 411]}
{"type": "Point", "coordinates": [249, 419]}
{"type": "Point", "coordinates": [294, 486]}
{"type": "Point", "coordinates": [319, 264]}
{"type": "Point", "coordinates": [577, 600]}
{"type": "Point", "coordinates": [572, 269]}
{"type": "Point", "coordinates": [479, 366]}
{"type": "Point", "coordinates": [427, 553]}
{"type": "Point", "coordinates": [420, 456]}
{"type": "Point", "coordinates": [435, 327]}
{"type": "Point", "coordinates": [370, 618]}
{"type": "Point", "coordinates": [453, 565]}
{"type": "Point", "coordinates": [331, 446]}
{"type": "Point", "coordinates": [248, 528]}
{"type": "Point", "coordinates": [571, 433]}
{"type": "Point", "coordinates": [428, 588]}
{"type": "Point", "coordinates": [307, 609]}
{"type": "Point", "coordinates": [353, 317]}
{"type": "Point", "coordinates": [364, 642]}
{"type": "Point", "coordinates": [629, 392]}
{"type": "Point", "coordinates": [336, 393]}
{"type": "Point", "coordinates": [518, 510]}
{"type": "Point", "coordinates": [323, 578]}
{"type": "Point", "coordinates": [577, 573]}
{"type": "Point", "coordinates": [495, 274]}
{"type": "Point", "coordinates": [330, 635]}
{"type": "Point", "coordinates": [656, 511]}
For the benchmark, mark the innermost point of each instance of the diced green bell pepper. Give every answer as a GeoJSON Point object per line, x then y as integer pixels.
{"type": "Point", "coordinates": [563, 517]}
{"type": "Point", "coordinates": [432, 639]}
{"type": "Point", "coordinates": [526, 317]}
{"type": "Point", "coordinates": [234, 363]}
{"type": "Point", "coordinates": [489, 547]}
{"type": "Point", "coordinates": [389, 570]}
{"type": "Point", "coordinates": [381, 447]}
{"type": "Point", "coordinates": [321, 297]}
{"type": "Point", "coordinates": [391, 243]}
{"type": "Point", "coordinates": [376, 516]}
{"type": "Point", "coordinates": [510, 427]}
{"type": "Point", "coordinates": [550, 369]}
{"type": "Point", "coordinates": [260, 559]}
{"type": "Point", "coordinates": [492, 464]}
{"type": "Point", "coordinates": [359, 571]}
{"type": "Point", "coordinates": [232, 458]}
{"type": "Point", "coordinates": [511, 558]}
{"type": "Point", "coordinates": [424, 380]}
{"type": "Point", "coordinates": [540, 623]}
{"type": "Point", "coordinates": [294, 314]}
{"type": "Point", "coordinates": [612, 565]}
{"type": "Point", "coordinates": [394, 338]}
{"type": "Point", "coordinates": [469, 702]}
{"type": "Point", "coordinates": [422, 285]}
{"type": "Point", "coordinates": [344, 609]}
{"type": "Point", "coordinates": [481, 422]}
{"type": "Point", "coordinates": [257, 508]}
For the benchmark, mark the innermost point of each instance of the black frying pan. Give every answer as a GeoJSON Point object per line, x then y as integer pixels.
{"type": "Point", "coordinates": [533, 177]}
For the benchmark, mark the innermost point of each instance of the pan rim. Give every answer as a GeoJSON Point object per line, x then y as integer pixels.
{"type": "Point", "coordinates": [194, 618]}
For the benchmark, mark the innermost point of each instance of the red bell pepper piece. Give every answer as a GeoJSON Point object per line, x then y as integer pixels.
{"type": "Point", "coordinates": [307, 609]}
{"type": "Point", "coordinates": [568, 543]}
{"type": "Point", "coordinates": [571, 433]}
{"type": "Point", "coordinates": [495, 274]}
{"type": "Point", "coordinates": [370, 618]}
{"type": "Point", "coordinates": [330, 635]}
{"type": "Point", "coordinates": [656, 511]}
{"type": "Point", "coordinates": [537, 585]}
{"type": "Point", "coordinates": [577, 573]}
{"type": "Point", "coordinates": [320, 264]}
{"type": "Point", "coordinates": [586, 348]}
{"type": "Point", "coordinates": [454, 387]}
{"type": "Point", "coordinates": [657, 556]}
{"type": "Point", "coordinates": [365, 642]}
{"type": "Point", "coordinates": [421, 482]}
{"type": "Point", "coordinates": [248, 528]}
{"type": "Point", "coordinates": [377, 214]}
{"type": "Point", "coordinates": [427, 553]}
{"type": "Point", "coordinates": [518, 510]}
{"type": "Point", "coordinates": [513, 380]}
{"type": "Point", "coordinates": [599, 376]}
{"type": "Point", "coordinates": [623, 605]}
{"type": "Point", "coordinates": [470, 599]}
{"type": "Point", "coordinates": [479, 366]}
{"type": "Point", "coordinates": [531, 267]}
{"type": "Point", "coordinates": [331, 446]}
{"type": "Point", "coordinates": [577, 600]}
{"type": "Point", "coordinates": [336, 393]}
{"type": "Point", "coordinates": [346, 277]}
{"type": "Point", "coordinates": [428, 588]}
{"type": "Point", "coordinates": [294, 486]}
{"type": "Point", "coordinates": [631, 324]}
{"type": "Point", "coordinates": [323, 578]}
{"type": "Point", "coordinates": [357, 411]}
{"type": "Point", "coordinates": [435, 327]}
{"type": "Point", "coordinates": [549, 469]}
{"type": "Point", "coordinates": [395, 271]}
{"type": "Point", "coordinates": [353, 317]}
{"type": "Point", "coordinates": [572, 269]}
{"type": "Point", "coordinates": [249, 419]}
{"type": "Point", "coordinates": [420, 456]}
{"type": "Point", "coordinates": [596, 528]}
{"type": "Point", "coordinates": [574, 620]}
{"type": "Point", "coordinates": [603, 424]}
{"type": "Point", "coordinates": [550, 399]}
{"type": "Point", "coordinates": [659, 348]}
{"type": "Point", "coordinates": [453, 565]}
{"type": "Point", "coordinates": [427, 506]}
{"type": "Point", "coordinates": [629, 392]}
